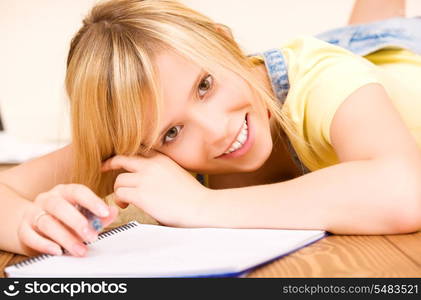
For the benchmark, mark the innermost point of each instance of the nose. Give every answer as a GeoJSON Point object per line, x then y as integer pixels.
{"type": "Point", "coordinates": [213, 129]}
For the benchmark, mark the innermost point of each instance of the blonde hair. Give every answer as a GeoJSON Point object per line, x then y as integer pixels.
{"type": "Point", "coordinates": [113, 87]}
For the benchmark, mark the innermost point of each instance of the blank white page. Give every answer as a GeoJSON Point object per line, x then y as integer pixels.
{"type": "Point", "coordinates": [140, 250]}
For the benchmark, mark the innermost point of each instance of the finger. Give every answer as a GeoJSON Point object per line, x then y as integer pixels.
{"type": "Point", "coordinates": [82, 195]}
{"type": "Point", "coordinates": [72, 217]}
{"type": "Point", "coordinates": [37, 242]}
{"type": "Point", "coordinates": [54, 230]}
{"type": "Point", "coordinates": [129, 163]}
{"type": "Point", "coordinates": [121, 204]}
{"type": "Point", "coordinates": [127, 180]}
{"type": "Point", "coordinates": [125, 195]}
{"type": "Point", "coordinates": [113, 214]}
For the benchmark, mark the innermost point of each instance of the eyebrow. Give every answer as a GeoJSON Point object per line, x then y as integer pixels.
{"type": "Point", "coordinates": [195, 84]}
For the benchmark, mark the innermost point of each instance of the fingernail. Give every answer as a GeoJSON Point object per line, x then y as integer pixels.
{"type": "Point", "coordinates": [55, 250]}
{"type": "Point", "coordinates": [78, 249]}
{"type": "Point", "coordinates": [103, 211]}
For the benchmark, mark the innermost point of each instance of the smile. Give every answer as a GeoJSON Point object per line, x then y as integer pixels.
{"type": "Point", "coordinates": [242, 142]}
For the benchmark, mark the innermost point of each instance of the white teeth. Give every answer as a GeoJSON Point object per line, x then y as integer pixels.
{"type": "Point", "coordinates": [241, 138]}
{"type": "Point", "coordinates": [237, 144]}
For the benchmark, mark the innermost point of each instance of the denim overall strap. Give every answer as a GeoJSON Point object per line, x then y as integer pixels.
{"type": "Point", "coordinates": [363, 39]}
{"type": "Point", "coordinates": [200, 178]}
{"type": "Point", "coordinates": [278, 73]}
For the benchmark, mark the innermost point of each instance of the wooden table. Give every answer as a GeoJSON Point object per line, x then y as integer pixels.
{"type": "Point", "coordinates": [334, 256]}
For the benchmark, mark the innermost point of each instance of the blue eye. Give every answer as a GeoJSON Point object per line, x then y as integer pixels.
{"type": "Point", "coordinates": [205, 85]}
{"type": "Point", "coordinates": [171, 134]}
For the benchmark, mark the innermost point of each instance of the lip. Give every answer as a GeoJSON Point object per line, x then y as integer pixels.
{"type": "Point", "coordinates": [246, 146]}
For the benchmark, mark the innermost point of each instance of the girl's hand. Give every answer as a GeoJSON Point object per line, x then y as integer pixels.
{"type": "Point", "coordinates": [160, 187]}
{"type": "Point", "coordinates": [54, 222]}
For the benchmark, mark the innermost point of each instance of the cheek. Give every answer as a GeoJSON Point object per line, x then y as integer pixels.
{"type": "Point", "coordinates": [187, 156]}
{"type": "Point", "coordinates": [234, 93]}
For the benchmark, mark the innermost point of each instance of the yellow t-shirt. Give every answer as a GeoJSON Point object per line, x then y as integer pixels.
{"type": "Point", "coordinates": [322, 76]}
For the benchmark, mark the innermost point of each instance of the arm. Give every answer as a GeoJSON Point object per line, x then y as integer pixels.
{"type": "Point", "coordinates": [374, 190]}
{"type": "Point", "coordinates": [365, 11]}
{"type": "Point", "coordinates": [38, 175]}
{"type": "Point", "coordinates": [342, 199]}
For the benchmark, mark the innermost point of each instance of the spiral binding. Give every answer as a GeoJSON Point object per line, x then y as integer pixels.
{"type": "Point", "coordinates": [101, 236]}
{"type": "Point", "coordinates": [113, 231]}
{"type": "Point", "coordinates": [32, 260]}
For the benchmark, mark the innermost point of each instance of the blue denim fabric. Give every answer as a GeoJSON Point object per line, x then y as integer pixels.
{"type": "Point", "coordinates": [278, 74]}
{"type": "Point", "coordinates": [201, 178]}
{"type": "Point", "coordinates": [361, 39]}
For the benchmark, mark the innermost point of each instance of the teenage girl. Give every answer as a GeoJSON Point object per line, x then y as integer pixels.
{"type": "Point", "coordinates": [312, 135]}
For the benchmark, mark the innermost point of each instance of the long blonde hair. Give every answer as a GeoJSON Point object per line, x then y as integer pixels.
{"type": "Point", "coordinates": [112, 83]}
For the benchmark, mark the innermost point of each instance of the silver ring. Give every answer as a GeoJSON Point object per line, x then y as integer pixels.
{"type": "Point", "coordinates": [39, 216]}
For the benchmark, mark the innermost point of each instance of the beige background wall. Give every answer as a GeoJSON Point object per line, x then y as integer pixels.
{"type": "Point", "coordinates": [35, 34]}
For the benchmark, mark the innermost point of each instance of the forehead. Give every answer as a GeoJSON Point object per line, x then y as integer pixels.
{"type": "Point", "coordinates": [171, 60]}
{"type": "Point", "coordinates": [174, 70]}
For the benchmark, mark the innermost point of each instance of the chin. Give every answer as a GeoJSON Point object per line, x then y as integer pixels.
{"type": "Point", "coordinates": [254, 165]}
{"type": "Point", "coordinates": [257, 161]}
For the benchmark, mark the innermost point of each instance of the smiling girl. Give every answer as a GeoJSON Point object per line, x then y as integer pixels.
{"type": "Point", "coordinates": [313, 135]}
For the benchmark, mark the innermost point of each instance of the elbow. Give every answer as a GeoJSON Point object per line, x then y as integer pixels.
{"type": "Point", "coordinates": [404, 206]}
{"type": "Point", "coordinates": [407, 212]}
{"type": "Point", "coordinates": [408, 220]}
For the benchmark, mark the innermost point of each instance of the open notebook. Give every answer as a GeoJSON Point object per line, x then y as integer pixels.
{"type": "Point", "coordinates": [144, 250]}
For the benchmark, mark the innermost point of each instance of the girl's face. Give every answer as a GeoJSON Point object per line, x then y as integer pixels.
{"type": "Point", "coordinates": [206, 116]}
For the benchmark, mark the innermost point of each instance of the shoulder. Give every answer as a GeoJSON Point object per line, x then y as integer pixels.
{"type": "Point", "coordinates": [321, 77]}
{"type": "Point", "coordinates": [306, 52]}
{"type": "Point", "coordinates": [304, 44]}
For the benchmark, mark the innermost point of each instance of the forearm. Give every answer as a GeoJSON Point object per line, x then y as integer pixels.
{"type": "Point", "coordinates": [365, 11]}
{"type": "Point", "coordinates": [359, 197]}
{"type": "Point", "coordinates": [12, 210]}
